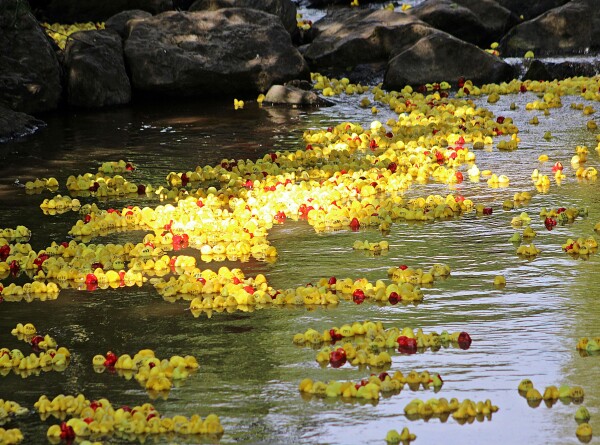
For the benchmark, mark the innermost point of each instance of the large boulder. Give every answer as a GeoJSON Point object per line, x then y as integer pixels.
{"type": "Point", "coordinates": [451, 17]}
{"type": "Point", "coordinates": [118, 22]}
{"type": "Point", "coordinates": [347, 38]}
{"type": "Point", "coordinates": [531, 9]}
{"type": "Point", "coordinates": [570, 29]}
{"type": "Point", "coordinates": [71, 11]}
{"type": "Point", "coordinates": [442, 57]}
{"type": "Point", "coordinates": [496, 19]}
{"type": "Point", "coordinates": [231, 51]}
{"type": "Point", "coordinates": [29, 68]}
{"type": "Point", "coordinates": [14, 124]}
{"type": "Point", "coordinates": [95, 68]}
{"type": "Point", "coordinates": [284, 9]}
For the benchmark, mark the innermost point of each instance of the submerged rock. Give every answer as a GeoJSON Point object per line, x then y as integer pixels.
{"type": "Point", "coordinates": [95, 68]}
{"type": "Point", "coordinates": [14, 124]}
{"type": "Point", "coordinates": [570, 29]}
{"type": "Point", "coordinates": [29, 68]}
{"type": "Point", "coordinates": [228, 51]}
{"type": "Point", "coordinates": [290, 95]}
{"type": "Point", "coordinates": [442, 57]}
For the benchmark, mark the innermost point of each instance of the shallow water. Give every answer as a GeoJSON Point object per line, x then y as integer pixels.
{"type": "Point", "coordinates": [249, 368]}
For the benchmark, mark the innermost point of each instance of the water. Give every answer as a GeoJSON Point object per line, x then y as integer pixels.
{"type": "Point", "coordinates": [249, 367]}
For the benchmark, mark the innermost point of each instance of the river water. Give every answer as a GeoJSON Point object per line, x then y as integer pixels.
{"type": "Point", "coordinates": [249, 368]}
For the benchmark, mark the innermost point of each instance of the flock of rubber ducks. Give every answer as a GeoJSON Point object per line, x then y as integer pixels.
{"type": "Point", "coordinates": [348, 177]}
{"type": "Point", "coordinates": [157, 376]}
{"type": "Point", "coordinates": [51, 357]}
{"type": "Point", "coordinates": [99, 419]}
{"type": "Point", "coordinates": [373, 387]}
{"type": "Point", "coordinates": [566, 394]}
{"type": "Point", "coordinates": [368, 343]}
{"type": "Point", "coordinates": [462, 412]}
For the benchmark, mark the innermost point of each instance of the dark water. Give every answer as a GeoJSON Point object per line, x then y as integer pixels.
{"type": "Point", "coordinates": [249, 368]}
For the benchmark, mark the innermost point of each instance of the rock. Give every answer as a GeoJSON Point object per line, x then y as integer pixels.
{"type": "Point", "coordinates": [530, 9]}
{"type": "Point", "coordinates": [347, 38]}
{"type": "Point", "coordinates": [284, 9]}
{"type": "Point", "coordinates": [570, 29]}
{"type": "Point", "coordinates": [228, 51]}
{"type": "Point", "coordinates": [442, 57]}
{"type": "Point", "coordinates": [118, 22]}
{"type": "Point", "coordinates": [29, 69]}
{"type": "Point", "coordinates": [95, 67]}
{"type": "Point", "coordinates": [540, 70]}
{"type": "Point", "coordinates": [451, 17]}
{"type": "Point", "coordinates": [496, 19]}
{"type": "Point", "coordinates": [302, 84]}
{"type": "Point", "coordinates": [14, 124]}
{"type": "Point", "coordinates": [72, 11]}
{"type": "Point", "coordinates": [289, 95]}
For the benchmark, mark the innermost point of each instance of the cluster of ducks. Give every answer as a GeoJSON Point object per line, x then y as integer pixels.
{"type": "Point", "coordinates": [406, 274]}
{"type": "Point", "coordinates": [157, 376]}
{"type": "Point", "coordinates": [229, 289]}
{"type": "Point", "coordinates": [375, 331]}
{"type": "Point", "coordinates": [395, 437]}
{"type": "Point", "coordinates": [372, 343]}
{"type": "Point", "coordinates": [465, 411]}
{"type": "Point", "coordinates": [581, 246]}
{"type": "Point", "coordinates": [51, 357]}
{"type": "Point", "coordinates": [60, 204]}
{"type": "Point", "coordinates": [371, 246]}
{"type": "Point", "coordinates": [348, 177]}
{"type": "Point", "coordinates": [566, 394]}
{"type": "Point", "coordinates": [589, 346]}
{"type": "Point", "coordinates": [60, 33]}
{"type": "Point", "coordinates": [10, 436]}
{"type": "Point", "coordinates": [8, 410]}
{"type": "Point", "coordinates": [551, 393]}
{"type": "Point", "coordinates": [99, 419]}
{"type": "Point", "coordinates": [373, 387]}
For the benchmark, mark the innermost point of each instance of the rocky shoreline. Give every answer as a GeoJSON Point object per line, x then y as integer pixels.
{"type": "Point", "coordinates": [185, 49]}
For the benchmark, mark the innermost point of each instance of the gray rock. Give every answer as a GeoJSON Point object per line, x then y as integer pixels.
{"type": "Point", "coordinates": [289, 95]}
{"type": "Point", "coordinates": [95, 67]}
{"type": "Point", "coordinates": [118, 22]}
{"type": "Point", "coordinates": [71, 11]}
{"type": "Point", "coordinates": [451, 17]}
{"type": "Point", "coordinates": [228, 51]}
{"type": "Point", "coordinates": [570, 29]}
{"type": "Point", "coordinates": [541, 70]}
{"type": "Point", "coordinates": [14, 124]}
{"type": "Point", "coordinates": [442, 57]}
{"type": "Point", "coordinates": [347, 38]}
{"type": "Point", "coordinates": [29, 68]}
{"type": "Point", "coordinates": [530, 9]}
{"type": "Point", "coordinates": [284, 9]}
{"type": "Point", "coordinates": [496, 19]}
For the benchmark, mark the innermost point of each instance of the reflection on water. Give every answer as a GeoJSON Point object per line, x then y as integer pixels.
{"type": "Point", "coordinates": [249, 368]}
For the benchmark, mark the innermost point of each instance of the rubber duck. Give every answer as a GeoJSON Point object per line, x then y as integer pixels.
{"type": "Point", "coordinates": [582, 415]}
{"type": "Point", "coordinates": [551, 393]}
{"type": "Point", "coordinates": [584, 432]}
